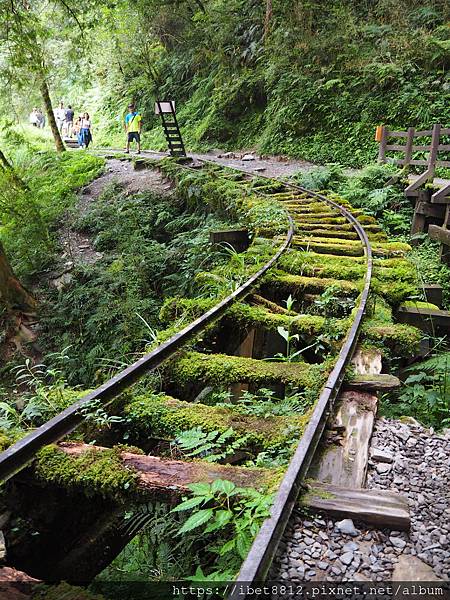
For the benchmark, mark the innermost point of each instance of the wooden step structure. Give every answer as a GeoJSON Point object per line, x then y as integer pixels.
{"type": "Point", "coordinates": [376, 507]}
{"type": "Point", "coordinates": [166, 110]}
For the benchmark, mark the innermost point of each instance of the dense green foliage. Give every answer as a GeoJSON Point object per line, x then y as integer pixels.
{"type": "Point", "coordinates": [316, 85]}
{"type": "Point", "coordinates": [29, 216]}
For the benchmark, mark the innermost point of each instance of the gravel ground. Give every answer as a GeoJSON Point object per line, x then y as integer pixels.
{"type": "Point", "coordinates": [411, 460]}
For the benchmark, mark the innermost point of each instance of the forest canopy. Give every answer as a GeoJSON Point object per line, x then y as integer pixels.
{"type": "Point", "coordinates": [308, 79]}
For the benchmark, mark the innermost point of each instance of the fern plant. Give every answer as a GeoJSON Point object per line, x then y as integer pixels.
{"type": "Point", "coordinates": [212, 446]}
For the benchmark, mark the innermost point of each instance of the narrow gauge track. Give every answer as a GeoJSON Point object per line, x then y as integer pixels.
{"type": "Point", "coordinates": [301, 206]}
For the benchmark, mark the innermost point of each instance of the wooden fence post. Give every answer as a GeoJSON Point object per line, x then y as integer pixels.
{"type": "Point", "coordinates": [409, 146]}
{"type": "Point", "coordinates": [435, 136]}
{"type": "Point", "coordinates": [383, 141]}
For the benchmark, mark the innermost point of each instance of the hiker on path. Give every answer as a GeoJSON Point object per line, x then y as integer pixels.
{"type": "Point", "coordinates": [133, 127]}
{"type": "Point", "coordinates": [85, 131]}
{"type": "Point", "coordinates": [77, 128]}
{"type": "Point", "coordinates": [60, 116]}
{"type": "Point", "coordinates": [34, 117]}
{"type": "Point", "coordinates": [40, 118]}
{"type": "Point", "coordinates": [69, 120]}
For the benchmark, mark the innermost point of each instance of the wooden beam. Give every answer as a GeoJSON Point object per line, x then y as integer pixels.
{"type": "Point", "coordinates": [433, 293]}
{"type": "Point", "coordinates": [168, 479]}
{"type": "Point", "coordinates": [377, 507]}
{"type": "Point", "coordinates": [440, 234]}
{"type": "Point", "coordinates": [238, 239]}
{"type": "Point", "coordinates": [436, 211]}
{"type": "Point", "coordinates": [426, 319]}
{"type": "Point", "coordinates": [373, 383]}
{"type": "Point", "coordinates": [343, 455]}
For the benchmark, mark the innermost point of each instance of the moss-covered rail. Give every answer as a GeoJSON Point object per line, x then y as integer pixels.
{"type": "Point", "coordinates": [284, 315]}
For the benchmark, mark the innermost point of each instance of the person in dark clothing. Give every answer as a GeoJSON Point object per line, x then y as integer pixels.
{"type": "Point", "coordinates": [69, 121]}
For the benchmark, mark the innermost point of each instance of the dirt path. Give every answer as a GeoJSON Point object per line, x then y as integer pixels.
{"type": "Point", "coordinates": [78, 246]}
{"type": "Point", "coordinates": [272, 166]}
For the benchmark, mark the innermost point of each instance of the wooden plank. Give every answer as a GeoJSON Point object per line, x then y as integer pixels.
{"type": "Point", "coordinates": [345, 453]}
{"type": "Point", "coordinates": [377, 507]}
{"type": "Point", "coordinates": [168, 479]}
{"type": "Point", "coordinates": [423, 133]}
{"type": "Point", "coordinates": [433, 293]}
{"type": "Point", "coordinates": [409, 145]}
{"type": "Point", "coordinates": [397, 147]}
{"type": "Point", "coordinates": [426, 319]}
{"type": "Point", "coordinates": [382, 148]}
{"type": "Point", "coordinates": [373, 383]}
{"type": "Point", "coordinates": [440, 234]}
{"type": "Point", "coordinates": [419, 162]}
{"type": "Point", "coordinates": [443, 163]}
{"type": "Point", "coordinates": [238, 239]}
{"type": "Point", "coordinates": [399, 134]}
{"type": "Point", "coordinates": [425, 208]}
{"type": "Point", "coordinates": [424, 148]}
{"type": "Point", "coordinates": [434, 147]}
{"type": "Point", "coordinates": [343, 457]}
{"type": "Point", "coordinates": [442, 195]}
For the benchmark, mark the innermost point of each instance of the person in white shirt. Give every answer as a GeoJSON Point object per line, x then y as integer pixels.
{"type": "Point", "coordinates": [34, 117]}
{"type": "Point", "coordinates": [60, 116]}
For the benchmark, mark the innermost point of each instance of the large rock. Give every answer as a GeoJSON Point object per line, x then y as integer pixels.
{"type": "Point", "coordinates": [411, 568]}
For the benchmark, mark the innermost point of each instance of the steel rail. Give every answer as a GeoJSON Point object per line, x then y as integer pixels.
{"type": "Point", "coordinates": [17, 456]}
{"type": "Point", "coordinates": [260, 557]}
{"type": "Point", "coordinates": [262, 552]}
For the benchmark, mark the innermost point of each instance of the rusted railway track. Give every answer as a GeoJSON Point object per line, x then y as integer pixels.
{"type": "Point", "coordinates": [299, 203]}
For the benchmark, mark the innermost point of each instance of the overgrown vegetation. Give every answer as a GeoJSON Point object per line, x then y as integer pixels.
{"type": "Point", "coordinates": [151, 246]}
{"type": "Point", "coordinates": [312, 81]}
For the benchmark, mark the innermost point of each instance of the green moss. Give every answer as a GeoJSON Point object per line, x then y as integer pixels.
{"type": "Point", "coordinates": [164, 416]}
{"type": "Point", "coordinates": [418, 304]}
{"type": "Point", "coordinates": [95, 471]}
{"type": "Point", "coordinates": [211, 369]}
{"type": "Point", "coordinates": [295, 284]}
{"type": "Point", "coordinates": [402, 340]}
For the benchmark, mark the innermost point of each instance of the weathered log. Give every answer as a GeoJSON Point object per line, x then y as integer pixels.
{"type": "Point", "coordinates": [373, 383]}
{"type": "Point", "coordinates": [169, 479]}
{"type": "Point", "coordinates": [377, 507]}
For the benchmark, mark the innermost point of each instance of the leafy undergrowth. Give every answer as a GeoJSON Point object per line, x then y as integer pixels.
{"type": "Point", "coordinates": [30, 214]}
{"type": "Point", "coordinates": [425, 394]}
{"type": "Point", "coordinates": [370, 190]}
{"type": "Point", "coordinates": [315, 86]}
{"type": "Point", "coordinates": [152, 246]}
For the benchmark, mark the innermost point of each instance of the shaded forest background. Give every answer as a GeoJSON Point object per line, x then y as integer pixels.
{"type": "Point", "coordinates": [308, 78]}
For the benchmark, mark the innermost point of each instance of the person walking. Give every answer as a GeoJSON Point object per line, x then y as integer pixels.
{"type": "Point", "coordinates": [133, 128]}
{"type": "Point", "coordinates": [86, 131]}
{"type": "Point", "coordinates": [60, 116]}
{"type": "Point", "coordinates": [40, 118]}
{"type": "Point", "coordinates": [77, 129]}
{"type": "Point", "coordinates": [34, 117]}
{"type": "Point", "coordinates": [69, 120]}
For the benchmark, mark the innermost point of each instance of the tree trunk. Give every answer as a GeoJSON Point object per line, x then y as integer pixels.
{"type": "Point", "coordinates": [51, 117]}
{"type": "Point", "coordinates": [268, 18]}
{"type": "Point", "coordinates": [13, 296]}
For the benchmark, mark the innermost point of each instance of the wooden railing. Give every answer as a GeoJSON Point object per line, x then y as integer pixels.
{"type": "Point", "coordinates": [434, 149]}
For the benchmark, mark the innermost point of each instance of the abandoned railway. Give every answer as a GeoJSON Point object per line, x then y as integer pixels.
{"type": "Point", "coordinates": [305, 309]}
